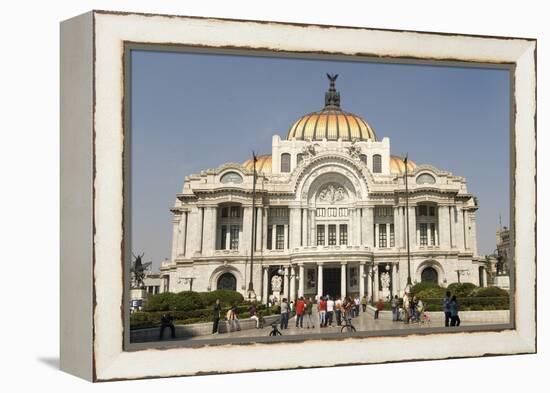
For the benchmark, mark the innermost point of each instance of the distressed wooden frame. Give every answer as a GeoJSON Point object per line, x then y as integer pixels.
{"type": "Point", "coordinates": [92, 193]}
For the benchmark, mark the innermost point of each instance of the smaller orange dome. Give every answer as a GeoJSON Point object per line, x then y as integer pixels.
{"type": "Point", "coordinates": [397, 165]}
{"type": "Point", "coordinates": [263, 164]}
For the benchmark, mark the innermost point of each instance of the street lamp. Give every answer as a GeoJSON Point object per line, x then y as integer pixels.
{"type": "Point", "coordinates": [409, 281]}
{"type": "Point", "coordinates": [251, 293]}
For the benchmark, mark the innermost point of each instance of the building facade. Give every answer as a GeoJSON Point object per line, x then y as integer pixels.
{"type": "Point", "coordinates": [327, 214]}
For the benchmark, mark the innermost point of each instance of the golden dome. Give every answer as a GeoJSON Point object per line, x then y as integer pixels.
{"type": "Point", "coordinates": [397, 165]}
{"type": "Point", "coordinates": [331, 122]}
{"type": "Point", "coordinates": [263, 164]}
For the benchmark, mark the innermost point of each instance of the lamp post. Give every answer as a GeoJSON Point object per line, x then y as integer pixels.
{"type": "Point", "coordinates": [409, 281]}
{"type": "Point", "coordinates": [251, 293]}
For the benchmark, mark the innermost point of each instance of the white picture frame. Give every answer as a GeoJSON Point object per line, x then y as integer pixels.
{"type": "Point", "coordinates": [92, 193]}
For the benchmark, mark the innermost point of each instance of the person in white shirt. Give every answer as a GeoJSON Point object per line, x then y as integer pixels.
{"type": "Point", "coordinates": [357, 302]}
{"type": "Point", "coordinates": [330, 311]}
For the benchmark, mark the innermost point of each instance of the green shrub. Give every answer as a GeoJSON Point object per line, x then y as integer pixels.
{"type": "Point", "coordinates": [431, 292]}
{"type": "Point", "coordinates": [187, 301]}
{"type": "Point", "coordinates": [462, 289]}
{"type": "Point", "coordinates": [227, 297]}
{"type": "Point", "coordinates": [490, 292]}
{"type": "Point", "coordinates": [161, 302]}
{"type": "Point", "coordinates": [421, 286]}
{"type": "Point", "coordinates": [168, 301]}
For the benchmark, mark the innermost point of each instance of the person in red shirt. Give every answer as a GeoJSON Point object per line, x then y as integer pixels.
{"type": "Point", "coordinates": [322, 311]}
{"type": "Point", "coordinates": [300, 306]}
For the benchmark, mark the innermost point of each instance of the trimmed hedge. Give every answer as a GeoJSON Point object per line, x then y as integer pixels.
{"type": "Point", "coordinates": [182, 301]}
{"type": "Point", "coordinates": [226, 297]}
{"type": "Point", "coordinates": [462, 290]}
{"type": "Point", "coordinates": [147, 319]}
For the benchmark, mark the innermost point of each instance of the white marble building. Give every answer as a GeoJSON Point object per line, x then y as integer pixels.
{"type": "Point", "coordinates": [331, 219]}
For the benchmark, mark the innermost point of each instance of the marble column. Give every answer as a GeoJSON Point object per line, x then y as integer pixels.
{"type": "Point", "coordinates": [265, 286]}
{"type": "Point", "coordinates": [319, 280]}
{"type": "Point", "coordinates": [295, 228]}
{"type": "Point", "coordinates": [443, 226]}
{"type": "Point", "coordinates": [259, 229]}
{"type": "Point", "coordinates": [246, 231]}
{"type": "Point", "coordinates": [413, 236]}
{"type": "Point", "coordinates": [210, 234]}
{"type": "Point", "coordinates": [292, 283]}
{"type": "Point", "coordinates": [312, 240]}
{"type": "Point", "coordinates": [300, 280]}
{"type": "Point", "coordinates": [343, 281]}
{"type": "Point", "coordinates": [264, 228]}
{"type": "Point", "coordinates": [304, 228]}
{"type": "Point", "coordinates": [397, 227]}
{"type": "Point", "coordinates": [273, 237]}
{"type": "Point", "coordinates": [286, 236]}
{"type": "Point", "coordinates": [394, 280]}
{"type": "Point", "coordinates": [361, 279]}
{"type": "Point", "coordinates": [376, 286]}
{"type": "Point", "coordinates": [459, 229]}
{"type": "Point", "coordinates": [176, 236]}
{"type": "Point", "coordinates": [286, 284]}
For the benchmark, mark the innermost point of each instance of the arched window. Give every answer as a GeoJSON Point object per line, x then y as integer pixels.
{"type": "Point", "coordinates": [363, 158]}
{"type": "Point", "coordinates": [377, 163]}
{"type": "Point", "coordinates": [429, 274]}
{"type": "Point", "coordinates": [299, 158]}
{"type": "Point", "coordinates": [231, 177]}
{"type": "Point", "coordinates": [425, 178]}
{"type": "Point", "coordinates": [227, 281]}
{"type": "Point", "coordinates": [285, 162]}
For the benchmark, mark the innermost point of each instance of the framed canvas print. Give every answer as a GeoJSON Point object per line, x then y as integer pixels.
{"type": "Point", "coordinates": [233, 191]}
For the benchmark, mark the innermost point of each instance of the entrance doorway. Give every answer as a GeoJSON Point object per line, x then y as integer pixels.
{"type": "Point", "coordinates": [332, 281]}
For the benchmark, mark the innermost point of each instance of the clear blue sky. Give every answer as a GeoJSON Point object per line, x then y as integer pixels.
{"type": "Point", "coordinates": [196, 111]}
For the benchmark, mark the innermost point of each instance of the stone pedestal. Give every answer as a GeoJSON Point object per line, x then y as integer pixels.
{"type": "Point", "coordinates": [502, 282]}
{"type": "Point", "coordinates": [138, 297]}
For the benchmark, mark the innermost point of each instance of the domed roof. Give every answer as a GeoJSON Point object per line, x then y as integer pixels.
{"type": "Point", "coordinates": [331, 122]}
{"type": "Point", "coordinates": [397, 165]}
{"type": "Point", "coordinates": [263, 164]}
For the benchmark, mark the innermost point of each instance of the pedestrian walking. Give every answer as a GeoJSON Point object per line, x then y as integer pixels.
{"type": "Point", "coordinates": [406, 308]}
{"type": "Point", "coordinates": [395, 308]}
{"type": "Point", "coordinates": [322, 305]}
{"type": "Point", "coordinates": [308, 313]}
{"type": "Point", "coordinates": [364, 302]}
{"type": "Point", "coordinates": [357, 303]}
{"type": "Point", "coordinates": [285, 309]}
{"type": "Point", "coordinates": [413, 311]}
{"type": "Point", "coordinates": [379, 307]}
{"type": "Point", "coordinates": [447, 308]}
{"type": "Point", "coordinates": [338, 311]}
{"type": "Point", "coordinates": [330, 311]}
{"type": "Point", "coordinates": [216, 316]}
{"type": "Point", "coordinates": [455, 319]}
{"type": "Point", "coordinates": [300, 308]}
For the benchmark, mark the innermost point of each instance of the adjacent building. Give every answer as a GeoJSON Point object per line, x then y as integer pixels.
{"type": "Point", "coordinates": [330, 213]}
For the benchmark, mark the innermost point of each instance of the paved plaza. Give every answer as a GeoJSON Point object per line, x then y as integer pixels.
{"type": "Point", "coordinates": [362, 323]}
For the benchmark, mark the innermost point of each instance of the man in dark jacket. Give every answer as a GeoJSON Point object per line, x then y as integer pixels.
{"type": "Point", "coordinates": [167, 321]}
{"type": "Point", "coordinates": [447, 308]}
{"type": "Point", "coordinates": [216, 316]}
